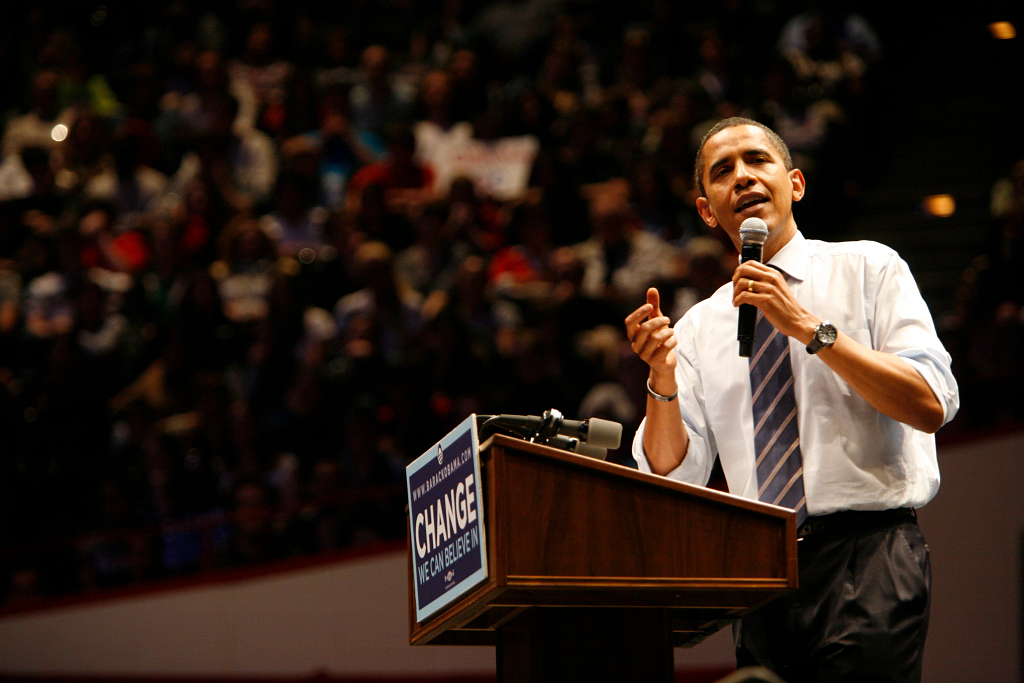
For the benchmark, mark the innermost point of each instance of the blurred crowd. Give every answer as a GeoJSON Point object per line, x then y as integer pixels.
{"type": "Point", "coordinates": [984, 326]}
{"type": "Point", "coordinates": [257, 256]}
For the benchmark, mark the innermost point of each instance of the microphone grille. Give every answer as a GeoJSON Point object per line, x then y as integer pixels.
{"type": "Point", "coordinates": [753, 231]}
{"type": "Point", "coordinates": [603, 433]}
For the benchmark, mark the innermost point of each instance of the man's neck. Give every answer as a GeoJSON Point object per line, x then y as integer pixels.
{"type": "Point", "coordinates": [777, 239]}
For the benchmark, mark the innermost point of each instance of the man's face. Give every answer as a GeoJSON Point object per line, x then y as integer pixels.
{"type": "Point", "coordinates": [745, 176]}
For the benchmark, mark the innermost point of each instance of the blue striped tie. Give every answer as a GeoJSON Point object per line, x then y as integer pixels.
{"type": "Point", "coordinates": [776, 435]}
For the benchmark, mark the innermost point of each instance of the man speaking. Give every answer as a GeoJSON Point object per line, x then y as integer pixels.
{"type": "Point", "coordinates": [831, 415]}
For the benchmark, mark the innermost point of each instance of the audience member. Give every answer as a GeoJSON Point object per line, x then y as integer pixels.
{"type": "Point", "coordinates": [621, 261]}
{"type": "Point", "coordinates": [376, 100]}
{"type": "Point", "coordinates": [258, 70]}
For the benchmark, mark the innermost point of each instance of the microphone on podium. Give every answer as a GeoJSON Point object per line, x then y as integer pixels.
{"type": "Point", "coordinates": [591, 437]}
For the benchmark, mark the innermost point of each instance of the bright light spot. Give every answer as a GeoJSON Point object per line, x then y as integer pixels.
{"type": "Point", "coordinates": [59, 132]}
{"type": "Point", "coordinates": [941, 205]}
{"type": "Point", "coordinates": [1002, 30]}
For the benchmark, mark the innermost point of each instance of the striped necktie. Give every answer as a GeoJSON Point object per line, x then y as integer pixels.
{"type": "Point", "coordinates": [776, 436]}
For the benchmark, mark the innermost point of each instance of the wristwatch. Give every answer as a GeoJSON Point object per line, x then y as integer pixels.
{"type": "Point", "coordinates": [824, 335]}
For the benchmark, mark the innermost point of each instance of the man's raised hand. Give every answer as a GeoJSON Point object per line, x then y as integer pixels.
{"type": "Point", "coordinates": [651, 336]}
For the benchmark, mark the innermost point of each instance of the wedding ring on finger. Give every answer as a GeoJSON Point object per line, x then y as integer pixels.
{"type": "Point", "coordinates": [750, 286]}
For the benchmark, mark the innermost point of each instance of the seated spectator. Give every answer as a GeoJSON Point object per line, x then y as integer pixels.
{"type": "Point", "coordinates": [197, 308]}
{"type": "Point", "coordinates": [718, 75]}
{"type": "Point", "coordinates": [336, 69]}
{"type": "Point", "coordinates": [48, 309]}
{"type": "Point", "coordinates": [390, 307]}
{"type": "Point", "coordinates": [17, 181]}
{"type": "Point", "coordinates": [429, 264]}
{"type": "Point", "coordinates": [101, 246]}
{"type": "Point", "coordinates": [100, 329]}
{"type": "Point", "coordinates": [637, 76]}
{"type": "Point", "coordinates": [570, 310]}
{"type": "Point", "coordinates": [240, 163]}
{"type": "Point", "coordinates": [189, 109]}
{"type": "Point", "coordinates": [330, 276]}
{"type": "Point", "coordinates": [245, 270]}
{"type": "Point", "coordinates": [654, 204]}
{"type": "Point", "coordinates": [830, 48]}
{"type": "Point", "coordinates": [816, 132]}
{"type": "Point", "coordinates": [134, 189]}
{"type": "Point", "coordinates": [81, 84]}
{"type": "Point", "coordinates": [296, 221]}
{"type": "Point", "coordinates": [705, 266]}
{"type": "Point", "coordinates": [259, 70]}
{"type": "Point", "coordinates": [167, 386]}
{"type": "Point", "coordinates": [10, 298]}
{"type": "Point", "coordinates": [561, 78]}
{"type": "Point", "coordinates": [476, 215]}
{"type": "Point", "coordinates": [325, 516]}
{"type": "Point", "coordinates": [469, 89]}
{"type": "Point", "coordinates": [405, 183]}
{"type": "Point", "coordinates": [523, 269]}
{"type": "Point", "coordinates": [255, 536]}
{"type": "Point", "coordinates": [341, 147]}
{"type": "Point", "coordinates": [806, 125]}
{"type": "Point", "coordinates": [35, 127]}
{"type": "Point", "coordinates": [620, 260]}
{"type": "Point", "coordinates": [434, 103]}
{"type": "Point", "coordinates": [85, 152]}
{"type": "Point", "coordinates": [376, 100]}
{"type": "Point", "coordinates": [436, 128]}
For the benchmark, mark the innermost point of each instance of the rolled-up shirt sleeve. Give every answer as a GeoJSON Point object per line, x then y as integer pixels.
{"type": "Point", "coordinates": [903, 326]}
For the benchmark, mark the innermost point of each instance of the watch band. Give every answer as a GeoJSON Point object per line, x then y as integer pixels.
{"type": "Point", "coordinates": [824, 335]}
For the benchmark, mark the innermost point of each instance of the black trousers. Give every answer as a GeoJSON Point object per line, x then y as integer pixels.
{"type": "Point", "coordinates": [861, 611]}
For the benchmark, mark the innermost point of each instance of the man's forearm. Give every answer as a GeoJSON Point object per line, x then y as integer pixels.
{"type": "Point", "coordinates": [887, 382]}
{"type": "Point", "coordinates": [665, 439]}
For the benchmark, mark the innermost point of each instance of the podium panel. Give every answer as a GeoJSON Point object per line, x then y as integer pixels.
{"type": "Point", "coordinates": [595, 562]}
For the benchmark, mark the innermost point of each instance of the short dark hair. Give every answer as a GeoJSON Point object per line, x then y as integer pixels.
{"type": "Point", "coordinates": [773, 139]}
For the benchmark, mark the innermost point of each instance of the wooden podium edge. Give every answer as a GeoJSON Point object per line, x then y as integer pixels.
{"type": "Point", "coordinates": [487, 595]}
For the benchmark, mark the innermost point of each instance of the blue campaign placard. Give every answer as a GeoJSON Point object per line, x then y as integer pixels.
{"type": "Point", "coordinates": [446, 526]}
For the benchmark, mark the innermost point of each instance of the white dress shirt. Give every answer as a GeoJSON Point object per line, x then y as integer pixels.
{"type": "Point", "coordinates": [855, 458]}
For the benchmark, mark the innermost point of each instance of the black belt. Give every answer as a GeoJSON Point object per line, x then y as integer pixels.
{"type": "Point", "coordinates": [846, 521]}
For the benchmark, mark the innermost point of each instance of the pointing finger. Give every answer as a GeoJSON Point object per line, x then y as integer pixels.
{"type": "Point", "coordinates": [654, 299]}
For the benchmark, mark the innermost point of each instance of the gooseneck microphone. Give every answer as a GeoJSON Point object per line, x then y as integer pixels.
{"type": "Point", "coordinates": [753, 233]}
{"type": "Point", "coordinates": [591, 437]}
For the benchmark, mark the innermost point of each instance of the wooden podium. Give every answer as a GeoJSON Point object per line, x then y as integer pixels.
{"type": "Point", "coordinates": [596, 571]}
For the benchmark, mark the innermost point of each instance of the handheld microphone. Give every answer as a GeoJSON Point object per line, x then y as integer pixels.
{"type": "Point", "coordinates": [594, 432]}
{"type": "Point", "coordinates": [753, 233]}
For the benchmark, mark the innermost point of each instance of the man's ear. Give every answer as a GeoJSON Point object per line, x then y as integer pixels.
{"type": "Point", "coordinates": [796, 176]}
{"type": "Point", "coordinates": [704, 209]}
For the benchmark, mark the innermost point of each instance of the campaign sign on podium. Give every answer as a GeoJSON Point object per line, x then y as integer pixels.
{"type": "Point", "coordinates": [446, 528]}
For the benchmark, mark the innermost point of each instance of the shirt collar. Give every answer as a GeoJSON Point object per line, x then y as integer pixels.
{"type": "Point", "coordinates": [792, 258]}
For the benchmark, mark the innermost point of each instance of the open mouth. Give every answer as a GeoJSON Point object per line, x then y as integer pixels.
{"type": "Point", "coordinates": [752, 201]}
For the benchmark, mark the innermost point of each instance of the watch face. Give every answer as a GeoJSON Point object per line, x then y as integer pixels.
{"type": "Point", "coordinates": [827, 334]}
